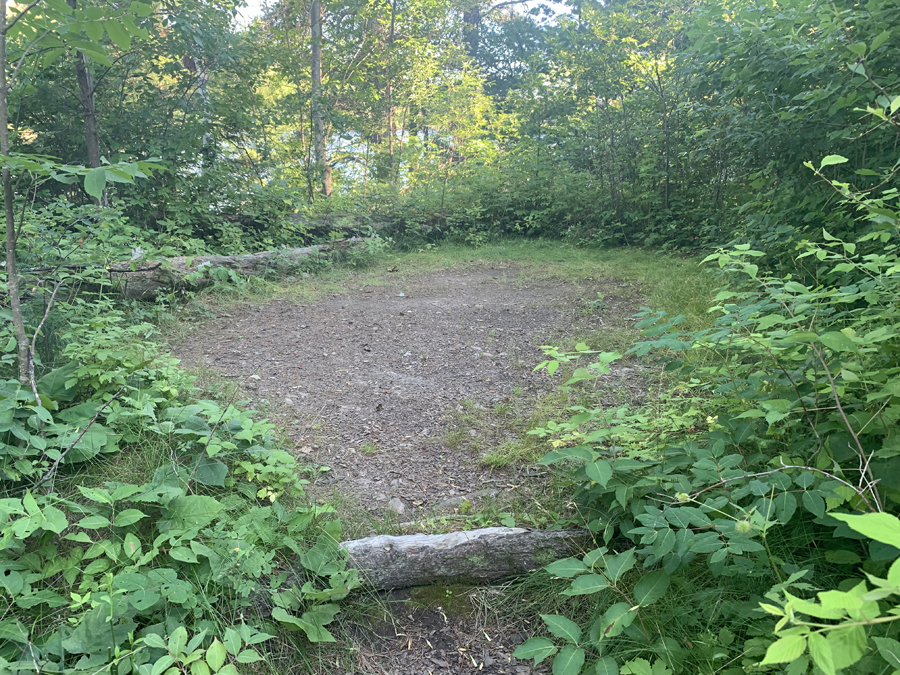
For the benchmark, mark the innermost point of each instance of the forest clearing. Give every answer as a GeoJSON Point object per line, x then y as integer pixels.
{"type": "Point", "coordinates": [430, 337]}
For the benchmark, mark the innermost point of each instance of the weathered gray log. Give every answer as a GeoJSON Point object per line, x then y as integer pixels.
{"type": "Point", "coordinates": [150, 279]}
{"type": "Point", "coordinates": [475, 556]}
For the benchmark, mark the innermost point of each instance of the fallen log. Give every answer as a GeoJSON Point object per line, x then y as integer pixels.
{"type": "Point", "coordinates": [475, 556]}
{"type": "Point", "coordinates": [149, 279]}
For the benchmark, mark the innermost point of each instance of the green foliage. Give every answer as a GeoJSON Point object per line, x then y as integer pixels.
{"type": "Point", "coordinates": [109, 576]}
{"type": "Point", "coordinates": [781, 427]}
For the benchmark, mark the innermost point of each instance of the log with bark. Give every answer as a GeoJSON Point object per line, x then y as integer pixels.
{"type": "Point", "coordinates": [475, 556]}
{"type": "Point", "coordinates": [145, 280]}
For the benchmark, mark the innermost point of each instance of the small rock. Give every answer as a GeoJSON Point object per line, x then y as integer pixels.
{"type": "Point", "coordinates": [305, 275]}
{"type": "Point", "coordinates": [450, 504]}
{"type": "Point", "coordinates": [397, 506]}
{"type": "Point", "coordinates": [473, 433]}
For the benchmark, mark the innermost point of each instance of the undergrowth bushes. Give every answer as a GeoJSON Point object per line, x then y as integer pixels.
{"type": "Point", "coordinates": [763, 489]}
{"type": "Point", "coordinates": [143, 529]}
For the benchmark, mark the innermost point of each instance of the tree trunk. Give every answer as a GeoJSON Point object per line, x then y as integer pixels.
{"type": "Point", "coordinates": [12, 275]}
{"type": "Point", "coordinates": [487, 554]}
{"type": "Point", "coordinates": [321, 153]}
{"type": "Point", "coordinates": [86, 95]}
{"type": "Point", "coordinates": [472, 30]}
{"type": "Point", "coordinates": [389, 93]}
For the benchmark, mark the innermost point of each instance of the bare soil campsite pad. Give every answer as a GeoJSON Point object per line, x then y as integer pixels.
{"type": "Point", "coordinates": [368, 380]}
{"type": "Point", "coordinates": [372, 381]}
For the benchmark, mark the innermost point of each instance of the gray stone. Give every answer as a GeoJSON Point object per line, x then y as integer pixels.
{"type": "Point", "coordinates": [450, 504]}
{"type": "Point", "coordinates": [397, 506]}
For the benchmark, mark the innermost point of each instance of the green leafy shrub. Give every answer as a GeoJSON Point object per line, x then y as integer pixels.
{"type": "Point", "coordinates": [109, 575]}
{"type": "Point", "coordinates": [792, 405]}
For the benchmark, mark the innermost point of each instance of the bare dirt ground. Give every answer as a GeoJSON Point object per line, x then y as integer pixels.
{"type": "Point", "coordinates": [368, 382]}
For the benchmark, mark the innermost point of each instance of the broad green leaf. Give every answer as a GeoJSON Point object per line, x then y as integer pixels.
{"type": "Point", "coordinates": [618, 565]}
{"type": "Point", "coordinates": [232, 641]}
{"type": "Point", "coordinates": [858, 48]}
{"type": "Point", "coordinates": [651, 587]}
{"type": "Point", "coordinates": [14, 631]}
{"type": "Point", "coordinates": [814, 503]}
{"type": "Point", "coordinates": [785, 507]}
{"type": "Point", "coordinates": [321, 615]}
{"type": "Point", "coordinates": [599, 471]}
{"type": "Point", "coordinates": [562, 627]}
{"type": "Point", "coordinates": [838, 342]}
{"type": "Point", "coordinates": [80, 537]}
{"type": "Point", "coordinates": [190, 512]}
{"type": "Point", "coordinates": [820, 651]}
{"type": "Point", "coordinates": [893, 575]}
{"type": "Point", "coordinates": [566, 568]}
{"type": "Point", "coordinates": [255, 637]}
{"type": "Point", "coordinates": [537, 648]}
{"type": "Point", "coordinates": [94, 30]}
{"type": "Point", "coordinates": [53, 384]}
{"type": "Point", "coordinates": [889, 649]}
{"type": "Point", "coordinates": [616, 619]}
{"type": "Point", "coordinates": [842, 557]}
{"type": "Point", "coordinates": [212, 472]}
{"type": "Point", "coordinates": [54, 520]}
{"type": "Point", "coordinates": [95, 182]}
{"type": "Point", "coordinates": [131, 545]}
{"type": "Point", "coordinates": [119, 34]}
{"type": "Point", "coordinates": [586, 584]}
{"type": "Point", "coordinates": [178, 640]}
{"type": "Point", "coordinates": [154, 640]}
{"type": "Point", "coordinates": [314, 633]}
{"type": "Point", "coordinates": [248, 656]}
{"type": "Point", "coordinates": [831, 160]}
{"type": "Point", "coordinates": [880, 39]}
{"type": "Point", "coordinates": [569, 661]}
{"type": "Point", "coordinates": [881, 527]}
{"type": "Point", "coordinates": [606, 666]}
{"type": "Point", "coordinates": [664, 543]}
{"type": "Point", "coordinates": [637, 667]}
{"type": "Point", "coordinates": [847, 645]}
{"type": "Point", "coordinates": [785, 650]}
{"type": "Point", "coordinates": [51, 56]}
{"type": "Point", "coordinates": [184, 554]}
{"type": "Point", "coordinates": [93, 522]}
{"type": "Point", "coordinates": [11, 581]}
{"type": "Point", "coordinates": [162, 664]}
{"type": "Point", "coordinates": [128, 517]}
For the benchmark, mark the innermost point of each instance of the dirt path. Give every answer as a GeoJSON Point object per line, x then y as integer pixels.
{"type": "Point", "coordinates": [368, 379]}
{"type": "Point", "coordinates": [372, 382]}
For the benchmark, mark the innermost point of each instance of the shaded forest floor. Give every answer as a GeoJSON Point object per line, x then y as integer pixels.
{"type": "Point", "coordinates": [413, 382]}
